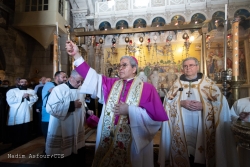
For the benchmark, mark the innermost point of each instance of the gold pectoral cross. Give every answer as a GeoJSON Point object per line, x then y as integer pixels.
{"type": "Point", "coordinates": [189, 87]}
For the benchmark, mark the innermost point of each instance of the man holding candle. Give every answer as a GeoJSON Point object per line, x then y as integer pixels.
{"type": "Point", "coordinates": [198, 131]}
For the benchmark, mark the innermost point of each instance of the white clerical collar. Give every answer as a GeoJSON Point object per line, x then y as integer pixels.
{"type": "Point", "coordinates": [191, 78]}
{"type": "Point", "coordinates": [129, 79]}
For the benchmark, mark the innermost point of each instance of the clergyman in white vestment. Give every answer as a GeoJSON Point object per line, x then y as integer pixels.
{"type": "Point", "coordinates": [67, 115]}
{"type": "Point", "coordinates": [241, 111]}
{"type": "Point", "coordinates": [198, 130]}
{"type": "Point", "coordinates": [21, 101]}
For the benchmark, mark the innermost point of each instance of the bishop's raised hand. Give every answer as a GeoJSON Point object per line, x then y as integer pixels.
{"type": "Point", "coordinates": [72, 49]}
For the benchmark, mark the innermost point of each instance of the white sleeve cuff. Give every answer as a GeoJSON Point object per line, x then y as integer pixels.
{"type": "Point", "coordinates": [78, 61]}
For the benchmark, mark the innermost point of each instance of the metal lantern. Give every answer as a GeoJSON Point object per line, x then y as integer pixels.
{"type": "Point", "coordinates": [170, 37]}
{"type": "Point", "coordinates": [101, 41]}
{"type": "Point", "coordinates": [141, 39]}
{"type": "Point", "coordinates": [127, 39]}
{"type": "Point", "coordinates": [185, 36]}
{"type": "Point", "coordinates": [113, 40]}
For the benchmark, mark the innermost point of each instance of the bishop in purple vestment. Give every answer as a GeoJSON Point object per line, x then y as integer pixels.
{"type": "Point", "coordinates": [131, 116]}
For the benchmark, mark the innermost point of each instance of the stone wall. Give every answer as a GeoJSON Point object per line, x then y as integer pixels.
{"type": "Point", "coordinates": [25, 57]}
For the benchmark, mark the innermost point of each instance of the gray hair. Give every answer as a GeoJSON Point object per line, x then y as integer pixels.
{"type": "Point", "coordinates": [190, 58]}
{"type": "Point", "coordinates": [74, 73]}
{"type": "Point", "coordinates": [131, 61]}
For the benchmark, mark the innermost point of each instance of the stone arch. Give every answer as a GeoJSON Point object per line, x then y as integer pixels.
{"type": "Point", "coordinates": [244, 15]}
{"type": "Point", "coordinates": [178, 18]}
{"type": "Point", "coordinates": [139, 23]}
{"type": "Point", "coordinates": [104, 25]}
{"type": "Point", "coordinates": [200, 12]}
{"type": "Point", "coordinates": [239, 8]}
{"type": "Point", "coordinates": [159, 15]}
{"type": "Point", "coordinates": [160, 21]}
{"type": "Point", "coordinates": [119, 24]}
{"type": "Point", "coordinates": [217, 21]}
{"type": "Point", "coordinates": [201, 17]}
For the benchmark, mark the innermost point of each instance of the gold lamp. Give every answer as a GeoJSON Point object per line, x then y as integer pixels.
{"type": "Point", "coordinates": [187, 42]}
{"type": "Point", "coordinates": [141, 39]}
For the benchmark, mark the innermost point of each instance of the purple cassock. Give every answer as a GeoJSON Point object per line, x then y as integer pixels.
{"type": "Point", "coordinates": [150, 99]}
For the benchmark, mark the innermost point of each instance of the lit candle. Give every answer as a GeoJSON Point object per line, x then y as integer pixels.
{"type": "Point", "coordinates": [225, 11]}
{"type": "Point", "coordinates": [57, 28]}
{"type": "Point", "coordinates": [225, 39]}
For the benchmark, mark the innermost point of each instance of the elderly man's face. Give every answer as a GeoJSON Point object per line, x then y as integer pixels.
{"type": "Point", "coordinates": [76, 81]}
{"type": "Point", "coordinates": [126, 71]}
{"type": "Point", "coordinates": [190, 69]}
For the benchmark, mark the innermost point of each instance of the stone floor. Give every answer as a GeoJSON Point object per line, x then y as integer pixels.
{"type": "Point", "coordinates": [30, 154]}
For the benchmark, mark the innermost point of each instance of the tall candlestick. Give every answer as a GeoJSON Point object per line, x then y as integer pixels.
{"type": "Point", "coordinates": [235, 30]}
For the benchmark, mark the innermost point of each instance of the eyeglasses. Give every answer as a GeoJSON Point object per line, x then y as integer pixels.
{"type": "Point", "coordinates": [190, 66]}
{"type": "Point", "coordinates": [78, 82]}
{"type": "Point", "coordinates": [122, 65]}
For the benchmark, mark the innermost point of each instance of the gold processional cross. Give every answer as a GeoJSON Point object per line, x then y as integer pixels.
{"type": "Point", "coordinates": [189, 87]}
